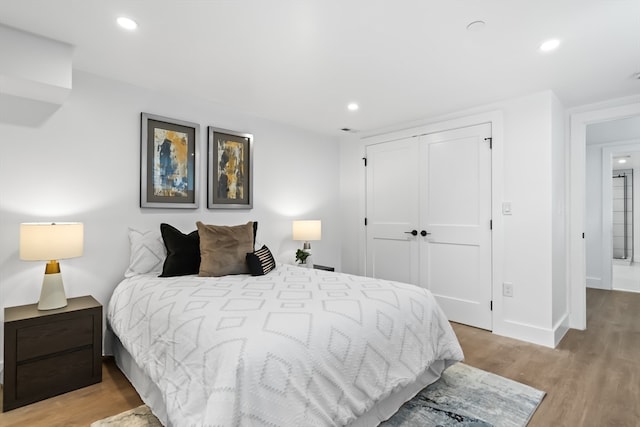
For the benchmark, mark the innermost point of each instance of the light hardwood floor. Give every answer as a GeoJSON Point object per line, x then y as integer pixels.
{"type": "Point", "coordinates": [591, 379]}
{"type": "Point", "coordinates": [80, 407]}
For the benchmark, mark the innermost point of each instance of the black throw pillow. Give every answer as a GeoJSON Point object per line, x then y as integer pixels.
{"type": "Point", "coordinates": [183, 252]}
{"type": "Point", "coordinates": [261, 261]}
{"type": "Point", "coordinates": [255, 231]}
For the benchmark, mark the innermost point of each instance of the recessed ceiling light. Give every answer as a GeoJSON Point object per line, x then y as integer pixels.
{"type": "Point", "coordinates": [622, 160]}
{"type": "Point", "coordinates": [353, 106]}
{"type": "Point", "coordinates": [476, 26]}
{"type": "Point", "coordinates": [550, 45]}
{"type": "Point", "coordinates": [127, 23]}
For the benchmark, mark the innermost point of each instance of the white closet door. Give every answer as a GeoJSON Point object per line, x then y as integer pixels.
{"type": "Point", "coordinates": [456, 212]}
{"type": "Point", "coordinates": [438, 184]}
{"type": "Point", "coordinates": [393, 210]}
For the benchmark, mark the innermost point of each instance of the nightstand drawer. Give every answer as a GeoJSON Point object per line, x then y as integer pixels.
{"type": "Point", "coordinates": [39, 340]}
{"type": "Point", "coordinates": [50, 352]}
{"type": "Point", "coordinates": [54, 375]}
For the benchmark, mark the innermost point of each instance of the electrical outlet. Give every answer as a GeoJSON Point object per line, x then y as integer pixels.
{"type": "Point", "coordinates": [507, 289]}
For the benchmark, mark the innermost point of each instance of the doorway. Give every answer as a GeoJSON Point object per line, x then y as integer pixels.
{"type": "Point", "coordinates": [625, 267]}
{"type": "Point", "coordinates": [577, 206]}
{"type": "Point", "coordinates": [611, 236]}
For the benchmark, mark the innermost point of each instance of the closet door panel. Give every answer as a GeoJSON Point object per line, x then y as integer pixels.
{"type": "Point", "coordinates": [456, 212]}
{"type": "Point", "coordinates": [428, 212]}
{"type": "Point", "coordinates": [393, 210]}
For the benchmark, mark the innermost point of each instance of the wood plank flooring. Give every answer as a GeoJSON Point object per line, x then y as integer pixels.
{"type": "Point", "coordinates": [79, 407]}
{"type": "Point", "coordinates": [591, 379]}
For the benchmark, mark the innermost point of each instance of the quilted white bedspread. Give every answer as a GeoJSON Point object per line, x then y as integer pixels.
{"type": "Point", "coordinates": [297, 347]}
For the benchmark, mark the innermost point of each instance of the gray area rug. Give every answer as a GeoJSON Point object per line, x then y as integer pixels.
{"type": "Point", "coordinates": [464, 397]}
{"type": "Point", "coordinates": [469, 397]}
{"type": "Point", "coordinates": [136, 417]}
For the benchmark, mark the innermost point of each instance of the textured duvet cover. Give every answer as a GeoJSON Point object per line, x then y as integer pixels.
{"type": "Point", "coordinates": [297, 347]}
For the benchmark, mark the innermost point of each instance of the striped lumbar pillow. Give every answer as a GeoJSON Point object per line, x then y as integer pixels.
{"type": "Point", "coordinates": [261, 262]}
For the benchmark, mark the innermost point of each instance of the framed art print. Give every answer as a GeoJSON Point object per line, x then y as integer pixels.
{"type": "Point", "coordinates": [229, 169]}
{"type": "Point", "coordinates": [169, 169]}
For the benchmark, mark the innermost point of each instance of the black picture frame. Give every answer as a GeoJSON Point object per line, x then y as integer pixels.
{"type": "Point", "coordinates": [169, 165]}
{"type": "Point", "coordinates": [229, 169]}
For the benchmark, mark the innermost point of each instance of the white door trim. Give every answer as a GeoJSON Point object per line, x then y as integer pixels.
{"type": "Point", "coordinates": [577, 207]}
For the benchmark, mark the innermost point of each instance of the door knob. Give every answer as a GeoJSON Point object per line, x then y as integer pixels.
{"type": "Point", "coordinates": [424, 233]}
{"type": "Point", "coordinates": [412, 232]}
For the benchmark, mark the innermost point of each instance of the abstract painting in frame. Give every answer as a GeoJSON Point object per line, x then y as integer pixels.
{"type": "Point", "coordinates": [229, 177]}
{"type": "Point", "coordinates": [169, 166]}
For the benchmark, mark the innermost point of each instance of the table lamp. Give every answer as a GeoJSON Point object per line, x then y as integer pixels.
{"type": "Point", "coordinates": [51, 242]}
{"type": "Point", "coordinates": [307, 231]}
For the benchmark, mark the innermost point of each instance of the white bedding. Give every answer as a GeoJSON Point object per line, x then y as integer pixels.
{"type": "Point", "coordinates": [297, 347]}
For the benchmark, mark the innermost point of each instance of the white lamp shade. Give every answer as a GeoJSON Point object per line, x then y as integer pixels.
{"type": "Point", "coordinates": [51, 241]}
{"type": "Point", "coordinates": [307, 230]}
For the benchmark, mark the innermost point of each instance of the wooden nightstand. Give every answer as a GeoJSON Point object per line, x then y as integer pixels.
{"type": "Point", "coordinates": [51, 352]}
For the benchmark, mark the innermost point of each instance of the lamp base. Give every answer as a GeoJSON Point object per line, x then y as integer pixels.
{"type": "Point", "coordinates": [52, 295]}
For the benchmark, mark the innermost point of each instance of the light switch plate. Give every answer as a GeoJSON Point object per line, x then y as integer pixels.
{"type": "Point", "coordinates": [506, 208]}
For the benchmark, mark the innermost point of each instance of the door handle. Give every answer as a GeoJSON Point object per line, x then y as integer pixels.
{"type": "Point", "coordinates": [412, 232]}
{"type": "Point", "coordinates": [424, 233]}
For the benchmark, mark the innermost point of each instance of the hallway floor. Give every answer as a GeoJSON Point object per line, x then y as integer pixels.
{"type": "Point", "coordinates": [626, 276]}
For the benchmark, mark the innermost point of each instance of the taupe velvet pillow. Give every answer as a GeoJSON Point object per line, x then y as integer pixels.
{"type": "Point", "coordinates": [223, 249]}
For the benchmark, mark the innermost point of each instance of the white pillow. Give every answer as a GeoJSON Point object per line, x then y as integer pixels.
{"type": "Point", "coordinates": [147, 252]}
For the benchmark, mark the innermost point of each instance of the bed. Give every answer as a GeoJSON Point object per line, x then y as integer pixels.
{"type": "Point", "coordinates": [294, 347]}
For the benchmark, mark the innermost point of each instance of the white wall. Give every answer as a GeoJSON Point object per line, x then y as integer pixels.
{"type": "Point", "coordinates": [352, 185]}
{"type": "Point", "coordinates": [525, 172]}
{"type": "Point", "coordinates": [613, 130]}
{"type": "Point", "coordinates": [83, 164]}
{"type": "Point", "coordinates": [528, 232]}
{"type": "Point", "coordinates": [593, 218]}
{"type": "Point", "coordinates": [560, 286]}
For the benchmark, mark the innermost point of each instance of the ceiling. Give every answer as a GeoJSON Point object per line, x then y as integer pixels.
{"type": "Point", "coordinates": [302, 61]}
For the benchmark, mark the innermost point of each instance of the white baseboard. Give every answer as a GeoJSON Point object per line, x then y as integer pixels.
{"type": "Point", "coordinates": [525, 332]}
{"type": "Point", "coordinates": [548, 337]}
{"type": "Point", "coordinates": [560, 329]}
{"type": "Point", "coordinates": [595, 282]}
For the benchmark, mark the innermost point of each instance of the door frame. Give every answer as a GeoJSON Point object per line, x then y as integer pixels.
{"type": "Point", "coordinates": [495, 117]}
{"type": "Point", "coordinates": [577, 200]}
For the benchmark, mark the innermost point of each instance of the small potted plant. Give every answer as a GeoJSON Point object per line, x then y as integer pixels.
{"type": "Point", "coordinates": [301, 256]}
